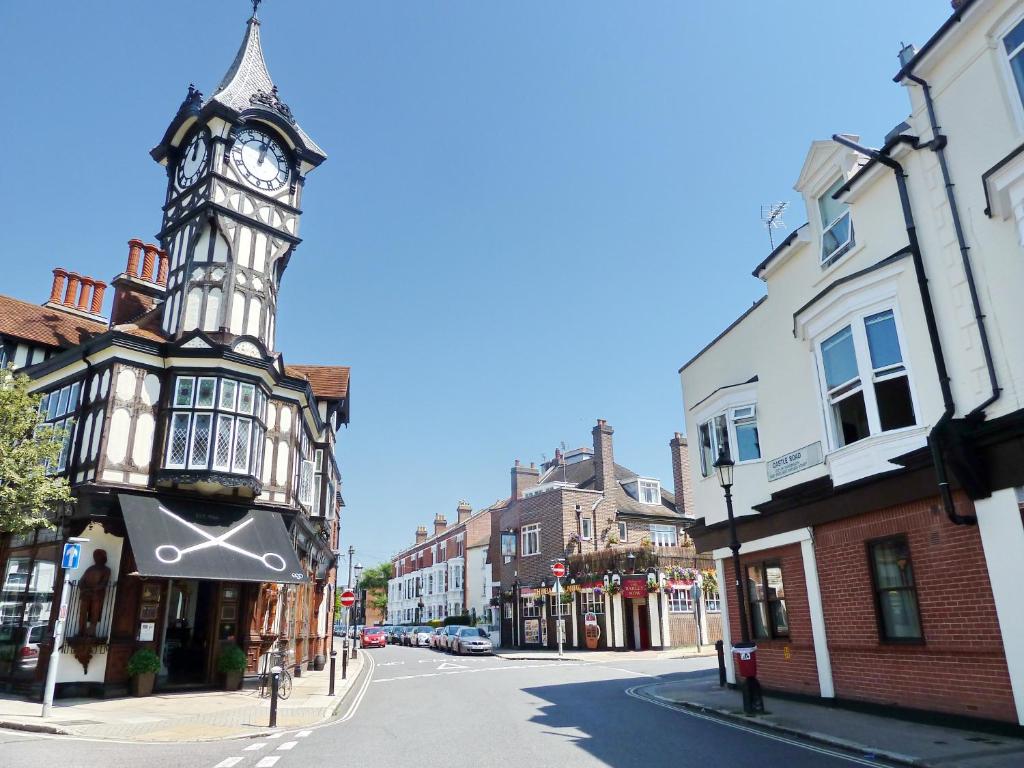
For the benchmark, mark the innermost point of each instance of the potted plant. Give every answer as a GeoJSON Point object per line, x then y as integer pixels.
{"type": "Point", "coordinates": [614, 588]}
{"type": "Point", "coordinates": [142, 669]}
{"type": "Point", "coordinates": [231, 664]}
{"type": "Point", "coordinates": [566, 598]}
{"type": "Point", "coordinates": [652, 587]}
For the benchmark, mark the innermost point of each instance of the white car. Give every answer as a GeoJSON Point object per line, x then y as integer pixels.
{"type": "Point", "coordinates": [420, 636]}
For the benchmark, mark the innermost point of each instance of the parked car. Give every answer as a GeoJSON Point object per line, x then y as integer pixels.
{"type": "Point", "coordinates": [446, 638]}
{"type": "Point", "coordinates": [19, 649]}
{"type": "Point", "coordinates": [373, 637]}
{"type": "Point", "coordinates": [400, 635]}
{"type": "Point", "coordinates": [436, 637]}
{"type": "Point", "coordinates": [407, 635]}
{"type": "Point", "coordinates": [420, 636]}
{"type": "Point", "coordinates": [471, 640]}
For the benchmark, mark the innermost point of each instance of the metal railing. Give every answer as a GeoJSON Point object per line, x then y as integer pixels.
{"type": "Point", "coordinates": [90, 615]}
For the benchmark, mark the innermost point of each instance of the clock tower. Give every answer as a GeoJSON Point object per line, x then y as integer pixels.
{"type": "Point", "coordinates": [236, 164]}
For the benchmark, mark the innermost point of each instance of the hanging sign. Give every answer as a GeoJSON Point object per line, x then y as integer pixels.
{"type": "Point", "coordinates": [634, 587]}
{"type": "Point", "coordinates": [590, 618]}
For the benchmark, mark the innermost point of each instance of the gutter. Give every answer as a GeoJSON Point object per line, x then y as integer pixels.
{"type": "Point", "coordinates": [949, 405]}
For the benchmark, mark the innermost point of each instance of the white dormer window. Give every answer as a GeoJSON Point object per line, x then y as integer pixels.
{"type": "Point", "coordinates": [836, 227]}
{"type": "Point", "coordinates": [649, 491]}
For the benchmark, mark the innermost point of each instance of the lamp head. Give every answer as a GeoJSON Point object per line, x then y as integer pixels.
{"type": "Point", "coordinates": [724, 467]}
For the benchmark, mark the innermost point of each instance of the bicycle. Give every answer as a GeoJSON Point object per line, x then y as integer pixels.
{"type": "Point", "coordinates": [284, 684]}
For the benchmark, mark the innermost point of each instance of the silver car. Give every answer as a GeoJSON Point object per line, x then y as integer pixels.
{"type": "Point", "coordinates": [472, 640]}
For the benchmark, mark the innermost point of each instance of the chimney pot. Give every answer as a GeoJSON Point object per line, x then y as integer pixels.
{"type": "Point", "coordinates": [148, 261]}
{"type": "Point", "coordinates": [161, 274]}
{"type": "Point", "coordinates": [85, 296]}
{"type": "Point", "coordinates": [59, 276]}
{"type": "Point", "coordinates": [98, 287]}
{"type": "Point", "coordinates": [135, 247]}
{"type": "Point", "coordinates": [71, 294]}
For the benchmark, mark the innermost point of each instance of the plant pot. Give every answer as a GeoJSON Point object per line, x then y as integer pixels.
{"type": "Point", "coordinates": [233, 680]}
{"type": "Point", "coordinates": [142, 684]}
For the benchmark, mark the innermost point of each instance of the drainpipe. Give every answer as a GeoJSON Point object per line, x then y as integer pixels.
{"type": "Point", "coordinates": [949, 406]}
{"type": "Point", "coordinates": [938, 146]}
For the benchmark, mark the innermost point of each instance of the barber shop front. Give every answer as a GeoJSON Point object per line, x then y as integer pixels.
{"type": "Point", "coordinates": [181, 577]}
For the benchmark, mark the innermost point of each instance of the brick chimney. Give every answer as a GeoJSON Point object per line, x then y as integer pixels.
{"type": "Point", "coordinates": [421, 534]}
{"type": "Point", "coordinates": [465, 510]}
{"type": "Point", "coordinates": [604, 459]}
{"type": "Point", "coordinates": [523, 479]}
{"type": "Point", "coordinates": [143, 283]}
{"type": "Point", "coordinates": [681, 475]}
{"type": "Point", "coordinates": [440, 524]}
{"type": "Point", "coordinates": [80, 295]}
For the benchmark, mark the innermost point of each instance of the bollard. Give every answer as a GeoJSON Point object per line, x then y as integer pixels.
{"type": "Point", "coordinates": [330, 690]}
{"type": "Point", "coordinates": [344, 663]}
{"type": "Point", "coordinates": [355, 644]}
{"type": "Point", "coordinates": [720, 650]}
{"type": "Point", "coordinates": [275, 681]}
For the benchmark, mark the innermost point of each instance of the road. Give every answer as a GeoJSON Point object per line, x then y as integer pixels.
{"type": "Point", "coordinates": [423, 708]}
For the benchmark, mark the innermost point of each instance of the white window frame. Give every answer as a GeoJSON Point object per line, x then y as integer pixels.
{"type": "Point", "coordinates": [745, 413]}
{"type": "Point", "coordinates": [845, 246]}
{"type": "Point", "coordinates": [586, 528]}
{"type": "Point", "coordinates": [592, 603]}
{"type": "Point", "coordinates": [306, 483]}
{"type": "Point", "coordinates": [1013, 92]}
{"type": "Point", "coordinates": [680, 600]}
{"type": "Point", "coordinates": [623, 532]}
{"type": "Point", "coordinates": [641, 483]}
{"type": "Point", "coordinates": [668, 533]}
{"type": "Point", "coordinates": [530, 609]}
{"type": "Point", "coordinates": [532, 530]}
{"type": "Point", "coordinates": [866, 373]}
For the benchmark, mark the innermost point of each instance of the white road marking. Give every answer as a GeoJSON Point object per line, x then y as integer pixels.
{"type": "Point", "coordinates": [637, 693]}
{"type": "Point", "coordinates": [268, 761]}
{"type": "Point", "coordinates": [254, 747]}
{"type": "Point", "coordinates": [275, 735]}
{"type": "Point", "coordinates": [302, 734]}
{"type": "Point", "coordinates": [391, 663]}
{"type": "Point", "coordinates": [286, 746]}
{"type": "Point", "coordinates": [449, 665]}
{"type": "Point", "coordinates": [228, 762]}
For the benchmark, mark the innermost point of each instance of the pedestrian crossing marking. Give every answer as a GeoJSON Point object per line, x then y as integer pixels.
{"type": "Point", "coordinates": [254, 747]}
{"type": "Point", "coordinates": [286, 746]}
{"type": "Point", "coordinates": [228, 762]}
{"type": "Point", "coordinates": [268, 761]}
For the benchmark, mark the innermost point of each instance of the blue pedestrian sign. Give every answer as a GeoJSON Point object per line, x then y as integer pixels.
{"type": "Point", "coordinates": [72, 554]}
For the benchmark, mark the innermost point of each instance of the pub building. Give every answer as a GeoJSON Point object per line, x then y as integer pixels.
{"type": "Point", "coordinates": [202, 466]}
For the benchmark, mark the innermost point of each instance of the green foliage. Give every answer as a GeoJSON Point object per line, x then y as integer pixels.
{"type": "Point", "coordinates": [459, 621]}
{"type": "Point", "coordinates": [435, 623]}
{"type": "Point", "coordinates": [27, 493]}
{"type": "Point", "coordinates": [376, 577]}
{"type": "Point", "coordinates": [231, 659]}
{"type": "Point", "coordinates": [143, 661]}
{"type": "Point", "coordinates": [379, 601]}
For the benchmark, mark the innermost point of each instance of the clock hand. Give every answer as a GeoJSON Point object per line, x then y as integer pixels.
{"type": "Point", "coordinates": [263, 154]}
{"type": "Point", "coordinates": [195, 150]}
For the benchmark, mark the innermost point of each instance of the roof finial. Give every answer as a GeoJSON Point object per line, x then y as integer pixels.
{"type": "Point", "coordinates": [255, 7]}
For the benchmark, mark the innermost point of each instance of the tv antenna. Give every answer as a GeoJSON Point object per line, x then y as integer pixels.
{"type": "Point", "coordinates": [771, 217]}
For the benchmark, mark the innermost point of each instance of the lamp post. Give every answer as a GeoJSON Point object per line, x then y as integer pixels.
{"type": "Point", "coordinates": [356, 607]}
{"type": "Point", "coordinates": [631, 557]}
{"type": "Point", "coordinates": [752, 701]}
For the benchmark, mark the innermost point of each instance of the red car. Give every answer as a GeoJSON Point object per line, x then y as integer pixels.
{"type": "Point", "coordinates": [373, 637]}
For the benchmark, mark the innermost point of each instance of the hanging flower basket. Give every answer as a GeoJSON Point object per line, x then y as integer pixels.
{"type": "Point", "coordinates": [614, 589]}
{"type": "Point", "coordinates": [652, 587]}
{"type": "Point", "coordinates": [710, 583]}
{"type": "Point", "coordinates": [566, 598]}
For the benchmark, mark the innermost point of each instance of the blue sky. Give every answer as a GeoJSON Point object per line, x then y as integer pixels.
{"type": "Point", "coordinates": [531, 215]}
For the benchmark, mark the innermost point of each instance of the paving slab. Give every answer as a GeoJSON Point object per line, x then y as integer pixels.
{"type": "Point", "coordinates": [898, 741]}
{"type": "Point", "coordinates": [185, 716]}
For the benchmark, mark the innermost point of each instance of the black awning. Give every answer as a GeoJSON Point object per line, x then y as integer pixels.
{"type": "Point", "coordinates": [182, 539]}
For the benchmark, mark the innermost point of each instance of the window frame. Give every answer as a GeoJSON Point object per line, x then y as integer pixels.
{"type": "Point", "coordinates": [592, 602]}
{"type": "Point", "coordinates": [869, 545]}
{"type": "Point", "coordinates": [657, 528]}
{"type": "Point", "coordinates": [1013, 90]}
{"type": "Point", "coordinates": [707, 425]}
{"type": "Point", "coordinates": [586, 528]}
{"type": "Point", "coordinates": [623, 531]}
{"type": "Point", "coordinates": [680, 596]}
{"type": "Point", "coordinates": [773, 632]}
{"type": "Point", "coordinates": [847, 245]}
{"type": "Point", "coordinates": [529, 530]}
{"type": "Point", "coordinates": [641, 481]}
{"type": "Point", "coordinates": [867, 376]}
{"type": "Point", "coordinates": [59, 410]}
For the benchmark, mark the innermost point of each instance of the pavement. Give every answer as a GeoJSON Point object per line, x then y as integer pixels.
{"type": "Point", "coordinates": [185, 716]}
{"type": "Point", "coordinates": [546, 654]}
{"type": "Point", "coordinates": [872, 736]}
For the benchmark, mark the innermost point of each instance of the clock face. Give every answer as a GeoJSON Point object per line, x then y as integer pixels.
{"type": "Point", "coordinates": [260, 159]}
{"type": "Point", "coordinates": [193, 160]}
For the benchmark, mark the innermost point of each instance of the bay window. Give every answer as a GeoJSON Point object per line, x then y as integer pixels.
{"type": "Point", "coordinates": [867, 388]}
{"type": "Point", "coordinates": [663, 535]}
{"type": "Point", "coordinates": [736, 427]}
{"type": "Point", "coordinates": [215, 424]}
{"type": "Point", "coordinates": [58, 409]}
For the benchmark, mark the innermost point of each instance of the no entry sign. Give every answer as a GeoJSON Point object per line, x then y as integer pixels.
{"type": "Point", "coordinates": [558, 569]}
{"type": "Point", "coordinates": [347, 599]}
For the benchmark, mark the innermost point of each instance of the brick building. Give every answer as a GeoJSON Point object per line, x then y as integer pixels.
{"type": "Point", "coordinates": [431, 578]}
{"type": "Point", "coordinates": [873, 403]}
{"type": "Point", "coordinates": [608, 524]}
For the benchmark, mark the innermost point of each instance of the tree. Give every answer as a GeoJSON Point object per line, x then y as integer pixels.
{"type": "Point", "coordinates": [27, 448]}
{"type": "Point", "coordinates": [376, 577]}
{"type": "Point", "coordinates": [379, 601]}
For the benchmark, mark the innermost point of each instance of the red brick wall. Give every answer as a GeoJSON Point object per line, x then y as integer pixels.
{"type": "Point", "coordinates": [961, 667]}
{"type": "Point", "coordinates": [787, 664]}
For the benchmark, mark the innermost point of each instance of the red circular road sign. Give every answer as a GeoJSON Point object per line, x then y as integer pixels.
{"type": "Point", "coordinates": [347, 599]}
{"type": "Point", "coordinates": [558, 569]}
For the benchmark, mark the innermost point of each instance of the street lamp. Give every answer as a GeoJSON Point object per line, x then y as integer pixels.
{"type": "Point", "coordinates": [631, 557]}
{"type": "Point", "coordinates": [752, 701]}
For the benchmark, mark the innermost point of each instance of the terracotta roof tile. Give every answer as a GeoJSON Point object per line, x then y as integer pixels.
{"type": "Point", "coordinates": [43, 325]}
{"type": "Point", "coordinates": [329, 382]}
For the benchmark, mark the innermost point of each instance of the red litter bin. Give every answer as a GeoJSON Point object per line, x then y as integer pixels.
{"type": "Point", "coordinates": [746, 659]}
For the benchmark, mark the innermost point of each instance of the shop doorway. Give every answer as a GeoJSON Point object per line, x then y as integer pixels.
{"type": "Point", "coordinates": [188, 638]}
{"type": "Point", "coordinates": [640, 626]}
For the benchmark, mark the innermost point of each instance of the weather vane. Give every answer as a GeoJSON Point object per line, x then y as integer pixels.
{"type": "Point", "coordinates": [771, 217]}
{"type": "Point", "coordinates": [255, 7]}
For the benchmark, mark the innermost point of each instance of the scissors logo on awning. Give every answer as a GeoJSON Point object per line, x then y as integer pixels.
{"type": "Point", "coordinates": [170, 553]}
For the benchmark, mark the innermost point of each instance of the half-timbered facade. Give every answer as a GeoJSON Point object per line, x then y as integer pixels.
{"type": "Point", "coordinates": [202, 466]}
